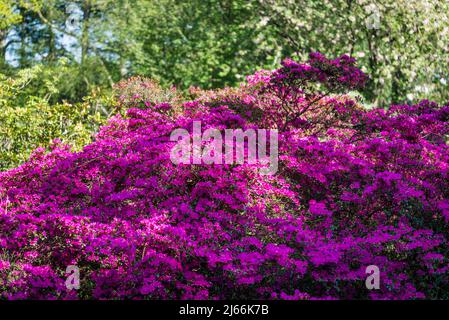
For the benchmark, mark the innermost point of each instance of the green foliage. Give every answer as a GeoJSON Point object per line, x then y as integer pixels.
{"type": "Point", "coordinates": [205, 43]}
{"type": "Point", "coordinates": [208, 44]}
{"type": "Point", "coordinates": [7, 14]}
{"type": "Point", "coordinates": [30, 122]}
{"type": "Point", "coordinates": [402, 44]}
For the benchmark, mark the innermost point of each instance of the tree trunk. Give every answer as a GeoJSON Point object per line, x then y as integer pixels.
{"type": "Point", "coordinates": [397, 94]}
{"type": "Point", "coordinates": [3, 34]}
{"type": "Point", "coordinates": [51, 46]}
{"type": "Point", "coordinates": [86, 8]}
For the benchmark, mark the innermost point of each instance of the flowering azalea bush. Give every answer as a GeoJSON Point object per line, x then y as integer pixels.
{"type": "Point", "coordinates": [354, 188]}
{"type": "Point", "coordinates": [139, 92]}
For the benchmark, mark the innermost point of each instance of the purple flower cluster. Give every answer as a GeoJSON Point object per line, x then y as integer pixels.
{"type": "Point", "coordinates": [354, 188]}
{"type": "Point", "coordinates": [336, 75]}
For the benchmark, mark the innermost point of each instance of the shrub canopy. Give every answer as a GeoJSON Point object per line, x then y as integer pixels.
{"type": "Point", "coordinates": [355, 187]}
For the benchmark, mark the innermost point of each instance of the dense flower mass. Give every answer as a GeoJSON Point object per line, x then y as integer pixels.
{"type": "Point", "coordinates": [337, 73]}
{"type": "Point", "coordinates": [355, 188]}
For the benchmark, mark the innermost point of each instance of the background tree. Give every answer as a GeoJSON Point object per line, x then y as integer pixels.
{"type": "Point", "coordinates": [207, 43]}
{"type": "Point", "coordinates": [8, 18]}
{"type": "Point", "coordinates": [402, 44]}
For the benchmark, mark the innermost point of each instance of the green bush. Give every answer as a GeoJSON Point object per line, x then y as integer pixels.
{"type": "Point", "coordinates": [28, 122]}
